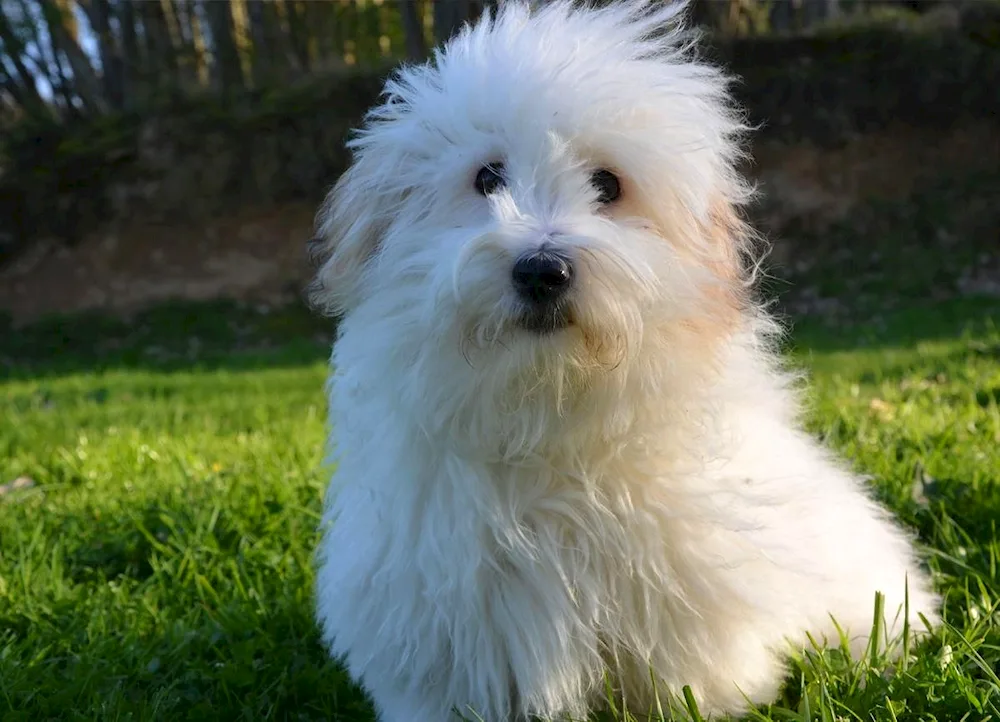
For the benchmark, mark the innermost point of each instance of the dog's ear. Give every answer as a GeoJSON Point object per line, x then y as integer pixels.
{"type": "Point", "coordinates": [729, 234]}
{"type": "Point", "coordinates": [730, 245]}
{"type": "Point", "coordinates": [349, 229]}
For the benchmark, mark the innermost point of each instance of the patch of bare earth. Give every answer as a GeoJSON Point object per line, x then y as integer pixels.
{"type": "Point", "coordinates": [806, 186]}
{"type": "Point", "coordinates": [258, 255]}
{"type": "Point", "coordinates": [255, 255]}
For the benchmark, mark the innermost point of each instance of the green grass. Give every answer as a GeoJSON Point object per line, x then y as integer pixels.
{"type": "Point", "coordinates": [160, 568]}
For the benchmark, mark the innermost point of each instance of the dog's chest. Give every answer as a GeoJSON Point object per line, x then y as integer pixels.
{"type": "Point", "coordinates": [590, 545]}
{"type": "Point", "coordinates": [570, 578]}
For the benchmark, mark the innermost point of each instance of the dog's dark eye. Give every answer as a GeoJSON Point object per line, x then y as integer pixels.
{"type": "Point", "coordinates": [607, 186]}
{"type": "Point", "coordinates": [490, 179]}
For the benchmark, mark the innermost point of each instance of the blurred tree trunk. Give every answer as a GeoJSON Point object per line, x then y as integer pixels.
{"type": "Point", "coordinates": [789, 15]}
{"type": "Point", "coordinates": [132, 60]}
{"type": "Point", "coordinates": [185, 50]}
{"type": "Point", "coordinates": [365, 32]}
{"type": "Point", "coordinates": [262, 53]}
{"type": "Point", "coordinates": [782, 16]}
{"type": "Point", "coordinates": [712, 14]}
{"type": "Point", "coordinates": [161, 55]}
{"type": "Point", "coordinates": [49, 63]}
{"type": "Point", "coordinates": [413, 30]}
{"type": "Point", "coordinates": [14, 90]}
{"type": "Point", "coordinates": [298, 34]}
{"type": "Point", "coordinates": [21, 83]}
{"type": "Point", "coordinates": [85, 81]}
{"type": "Point", "coordinates": [273, 50]}
{"type": "Point", "coordinates": [63, 84]}
{"type": "Point", "coordinates": [321, 18]}
{"type": "Point", "coordinates": [229, 73]}
{"type": "Point", "coordinates": [112, 70]}
{"type": "Point", "coordinates": [281, 53]}
{"type": "Point", "coordinates": [815, 11]}
{"type": "Point", "coordinates": [448, 17]}
{"type": "Point", "coordinates": [22, 100]}
{"type": "Point", "coordinates": [29, 31]}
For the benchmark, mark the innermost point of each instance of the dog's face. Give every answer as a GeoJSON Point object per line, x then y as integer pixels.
{"type": "Point", "coordinates": [555, 189]}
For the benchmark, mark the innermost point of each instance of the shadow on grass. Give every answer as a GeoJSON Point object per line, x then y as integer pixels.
{"type": "Point", "coordinates": [175, 606]}
{"type": "Point", "coordinates": [172, 337]}
{"type": "Point", "coordinates": [226, 336]}
{"type": "Point", "coordinates": [905, 328]}
{"type": "Point", "coordinates": [233, 660]}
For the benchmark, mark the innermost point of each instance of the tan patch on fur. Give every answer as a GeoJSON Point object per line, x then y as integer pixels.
{"type": "Point", "coordinates": [726, 231]}
{"type": "Point", "coordinates": [723, 293]}
{"type": "Point", "coordinates": [607, 352]}
{"type": "Point", "coordinates": [713, 245]}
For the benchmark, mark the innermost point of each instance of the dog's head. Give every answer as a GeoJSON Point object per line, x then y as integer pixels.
{"type": "Point", "coordinates": [555, 189]}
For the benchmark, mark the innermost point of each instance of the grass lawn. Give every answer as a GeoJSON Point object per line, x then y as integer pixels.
{"type": "Point", "coordinates": [160, 567]}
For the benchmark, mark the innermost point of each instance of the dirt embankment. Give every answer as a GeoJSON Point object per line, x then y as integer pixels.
{"type": "Point", "coordinates": [257, 254]}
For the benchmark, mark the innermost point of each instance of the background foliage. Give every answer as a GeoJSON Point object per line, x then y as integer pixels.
{"type": "Point", "coordinates": [110, 107]}
{"type": "Point", "coordinates": [97, 56]}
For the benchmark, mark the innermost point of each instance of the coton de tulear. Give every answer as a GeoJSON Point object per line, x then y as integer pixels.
{"type": "Point", "coordinates": [566, 451]}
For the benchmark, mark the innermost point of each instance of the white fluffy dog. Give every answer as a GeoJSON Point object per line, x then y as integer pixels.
{"type": "Point", "coordinates": [565, 450]}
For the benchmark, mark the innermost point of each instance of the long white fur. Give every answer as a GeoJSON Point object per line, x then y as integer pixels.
{"type": "Point", "coordinates": [513, 516]}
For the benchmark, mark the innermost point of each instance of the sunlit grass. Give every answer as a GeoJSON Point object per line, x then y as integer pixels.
{"type": "Point", "coordinates": [160, 566]}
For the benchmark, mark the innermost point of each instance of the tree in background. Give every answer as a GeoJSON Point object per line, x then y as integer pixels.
{"type": "Point", "coordinates": [63, 59]}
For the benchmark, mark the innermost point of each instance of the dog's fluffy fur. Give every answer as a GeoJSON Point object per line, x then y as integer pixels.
{"type": "Point", "coordinates": [516, 514]}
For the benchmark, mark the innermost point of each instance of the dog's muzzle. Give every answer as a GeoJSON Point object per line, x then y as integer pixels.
{"type": "Point", "coordinates": [542, 279]}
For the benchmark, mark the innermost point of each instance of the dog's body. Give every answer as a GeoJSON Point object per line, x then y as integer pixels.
{"type": "Point", "coordinates": [591, 464]}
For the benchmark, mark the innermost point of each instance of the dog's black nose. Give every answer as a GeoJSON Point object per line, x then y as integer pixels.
{"type": "Point", "coordinates": [542, 276]}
